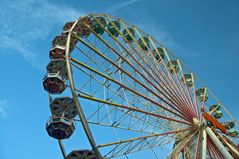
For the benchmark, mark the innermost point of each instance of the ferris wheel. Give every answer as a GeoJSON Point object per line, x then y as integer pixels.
{"type": "Point", "coordinates": [131, 97]}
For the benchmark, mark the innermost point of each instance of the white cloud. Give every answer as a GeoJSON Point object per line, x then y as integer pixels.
{"type": "Point", "coordinates": [25, 22]}
{"type": "Point", "coordinates": [23, 49]}
{"type": "Point", "coordinates": [3, 107]}
{"type": "Point", "coordinates": [121, 5]}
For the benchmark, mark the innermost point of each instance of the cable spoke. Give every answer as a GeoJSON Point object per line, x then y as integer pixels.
{"type": "Point", "coordinates": [138, 144]}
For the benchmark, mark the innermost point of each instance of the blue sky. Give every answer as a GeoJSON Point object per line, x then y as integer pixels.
{"type": "Point", "coordinates": [204, 34]}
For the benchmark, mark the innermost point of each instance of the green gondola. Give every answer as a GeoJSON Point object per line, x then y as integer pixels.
{"type": "Point", "coordinates": [112, 28]}
{"type": "Point", "coordinates": [233, 132]}
{"type": "Point", "coordinates": [159, 55]}
{"type": "Point", "coordinates": [188, 80]}
{"type": "Point", "coordinates": [129, 35]}
{"type": "Point", "coordinates": [215, 106]}
{"type": "Point", "coordinates": [218, 114]}
{"type": "Point", "coordinates": [97, 25]}
{"type": "Point", "coordinates": [229, 125]}
{"type": "Point", "coordinates": [200, 93]}
{"type": "Point", "coordinates": [173, 66]}
{"type": "Point", "coordinates": [142, 41]}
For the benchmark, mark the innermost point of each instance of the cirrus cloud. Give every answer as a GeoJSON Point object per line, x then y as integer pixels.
{"type": "Point", "coordinates": [26, 23]}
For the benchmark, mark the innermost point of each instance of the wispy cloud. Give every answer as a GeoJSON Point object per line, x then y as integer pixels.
{"type": "Point", "coordinates": [24, 23]}
{"type": "Point", "coordinates": [3, 107]}
{"type": "Point", "coordinates": [121, 5]}
{"type": "Point", "coordinates": [14, 44]}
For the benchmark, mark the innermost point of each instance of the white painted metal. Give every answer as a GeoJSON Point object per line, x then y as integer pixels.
{"type": "Point", "coordinates": [232, 148]}
{"type": "Point", "coordinates": [204, 144]}
{"type": "Point", "coordinates": [218, 144]}
{"type": "Point", "coordinates": [75, 97]}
